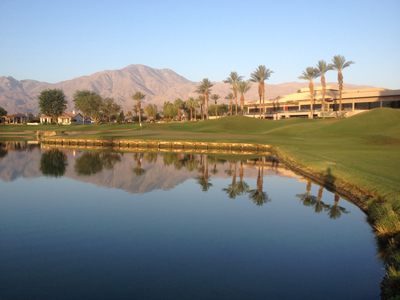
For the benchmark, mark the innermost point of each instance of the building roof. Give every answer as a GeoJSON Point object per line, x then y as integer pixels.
{"type": "Point", "coordinates": [16, 115]}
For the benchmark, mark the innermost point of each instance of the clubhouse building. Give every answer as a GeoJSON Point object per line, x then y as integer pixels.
{"type": "Point", "coordinates": [298, 105]}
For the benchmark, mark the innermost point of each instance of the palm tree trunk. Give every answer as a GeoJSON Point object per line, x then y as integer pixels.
{"type": "Point", "coordinates": [340, 79]}
{"type": "Point", "coordinates": [260, 95]}
{"type": "Point", "coordinates": [207, 103]}
{"type": "Point", "coordinates": [311, 86]}
{"type": "Point", "coordinates": [140, 112]}
{"type": "Point", "coordinates": [202, 107]}
{"type": "Point", "coordinates": [323, 83]}
{"type": "Point", "coordinates": [216, 114]}
{"type": "Point", "coordinates": [263, 92]}
{"type": "Point", "coordinates": [231, 107]}
{"type": "Point", "coordinates": [241, 103]}
{"type": "Point", "coordinates": [235, 101]}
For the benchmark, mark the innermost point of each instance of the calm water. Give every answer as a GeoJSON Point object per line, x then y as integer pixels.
{"type": "Point", "coordinates": [106, 225]}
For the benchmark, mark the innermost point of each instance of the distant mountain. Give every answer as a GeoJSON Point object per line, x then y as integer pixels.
{"type": "Point", "coordinates": [158, 85]}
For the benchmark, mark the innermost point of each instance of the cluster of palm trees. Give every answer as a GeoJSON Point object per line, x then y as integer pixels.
{"type": "Point", "coordinates": [239, 85]}
{"type": "Point", "coordinates": [311, 73]}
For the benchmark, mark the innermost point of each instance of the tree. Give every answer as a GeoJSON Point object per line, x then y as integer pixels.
{"type": "Point", "coordinates": [322, 68]}
{"type": "Point", "coordinates": [135, 109]}
{"type": "Point", "coordinates": [205, 89]}
{"type": "Point", "coordinates": [139, 96]}
{"type": "Point", "coordinates": [335, 211]}
{"type": "Point", "coordinates": [89, 103]}
{"type": "Point", "coordinates": [190, 104]}
{"type": "Point", "coordinates": [310, 74]}
{"type": "Point", "coordinates": [339, 63]}
{"type": "Point", "coordinates": [202, 98]}
{"type": "Point", "coordinates": [178, 103]}
{"type": "Point", "coordinates": [230, 98]}
{"type": "Point", "coordinates": [121, 117]}
{"type": "Point", "coordinates": [242, 87]}
{"type": "Point", "coordinates": [109, 107]}
{"type": "Point", "coordinates": [53, 163]}
{"type": "Point", "coordinates": [215, 97]}
{"type": "Point", "coordinates": [151, 111]}
{"type": "Point", "coordinates": [200, 104]}
{"type": "Point", "coordinates": [223, 109]}
{"type": "Point", "coordinates": [3, 112]}
{"type": "Point", "coordinates": [169, 110]}
{"type": "Point", "coordinates": [232, 79]}
{"type": "Point", "coordinates": [259, 75]}
{"type": "Point", "coordinates": [52, 103]}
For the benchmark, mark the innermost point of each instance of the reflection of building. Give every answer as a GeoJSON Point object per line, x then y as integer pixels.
{"type": "Point", "coordinates": [15, 118]}
{"type": "Point", "coordinates": [66, 118]}
{"type": "Point", "coordinates": [353, 101]}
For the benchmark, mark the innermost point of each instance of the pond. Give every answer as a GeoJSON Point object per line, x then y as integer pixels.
{"type": "Point", "coordinates": [84, 224]}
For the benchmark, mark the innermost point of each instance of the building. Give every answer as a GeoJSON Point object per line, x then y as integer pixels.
{"type": "Point", "coordinates": [15, 118]}
{"type": "Point", "coordinates": [67, 118]}
{"type": "Point", "coordinates": [298, 105]}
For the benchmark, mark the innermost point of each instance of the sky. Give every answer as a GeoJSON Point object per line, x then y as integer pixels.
{"type": "Point", "coordinates": [53, 41]}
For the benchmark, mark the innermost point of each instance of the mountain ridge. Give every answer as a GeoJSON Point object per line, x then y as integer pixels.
{"type": "Point", "coordinates": [159, 85]}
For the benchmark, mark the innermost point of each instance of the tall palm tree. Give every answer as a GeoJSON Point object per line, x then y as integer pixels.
{"type": "Point", "coordinates": [215, 97]}
{"type": "Point", "coordinates": [242, 87]}
{"type": "Point", "coordinates": [230, 98]}
{"type": "Point", "coordinates": [139, 96]}
{"type": "Point", "coordinates": [339, 63]}
{"type": "Point", "coordinates": [232, 79]}
{"type": "Point", "coordinates": [258, 196]}
{"type": "Point", "coordinates": [201, 91]}
{"type": "Point", "coordinates": [259, 75]}
{"type": "Point", "coordinates": [205, 88]}
{"type": "Point", "coordinates": [310, 74]}
{"type": "Point", "coordinates": [322, 68]}
{"type": "Point", "coordinates": [190, 104]}
{"type": "Point", "coordinates": [196, 105]}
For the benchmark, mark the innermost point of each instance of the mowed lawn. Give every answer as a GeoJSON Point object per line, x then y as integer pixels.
{"type": "Point", "coordinates": [363, 150]}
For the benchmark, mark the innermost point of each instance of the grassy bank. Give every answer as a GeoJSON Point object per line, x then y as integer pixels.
{"type": "Point", "coordinates": [361, 153]}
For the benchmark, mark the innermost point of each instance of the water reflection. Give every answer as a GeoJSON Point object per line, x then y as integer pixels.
{"type": "Point", "coordinates": [334, 211]}
{"type": "Point", "coordinates": [53, 163]}
{"type": "Point", "coordinates": [258, 196]}
{"type": "Point", "coordinates": [91, 163]}
{"type": "Point", "coordinates": [139, 171]}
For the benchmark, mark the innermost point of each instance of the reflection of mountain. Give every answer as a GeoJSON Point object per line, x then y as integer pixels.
{"type": "Point", "coordinates": [157, 175]}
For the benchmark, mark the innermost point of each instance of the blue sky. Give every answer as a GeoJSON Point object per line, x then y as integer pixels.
{"type": "Point", "coordinates": [56, 40]}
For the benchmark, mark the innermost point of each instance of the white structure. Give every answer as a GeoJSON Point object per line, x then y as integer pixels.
{"type": "Point", "coordinates": [66, 118]}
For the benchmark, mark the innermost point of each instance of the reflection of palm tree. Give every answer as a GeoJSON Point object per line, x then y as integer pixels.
{"type": "Point", "coordinates": [150, 157]}
{"type": "Point", "coordinates": [138, 170]}
{"type": "Point", "coordinates": [229, 171]}
{"type": "Point", "coordinates": [200, 179]}
{"type": "Point", "coordinates": [241, 187]}
{"type": "Point", "coordinates": [319, 205]}
{"type": "Point", "coordinates": [335, 211]}
{"type": "Point", "coordinates": [306, 198]}
{"type": "Point", "coordinates": [231, 190]}
{"type": "Point", "coordinates": [258, 196]}
{"type": "Point", "coordinates": [214, 170]}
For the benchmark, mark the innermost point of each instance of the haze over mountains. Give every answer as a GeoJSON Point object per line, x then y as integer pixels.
{"type": "Point", "coordinates": [158, 85]}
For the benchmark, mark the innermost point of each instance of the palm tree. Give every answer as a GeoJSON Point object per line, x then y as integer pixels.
{"type": "Point", "coordinates": [205, 88]}
{"type": "Point", "coordinates": [178, 103]}
{"type": "Point", "coordinates": [232, 79]}
{"type": "Point", "coordinates": [259, 75]}
{"type": "Point", "coordinates": [135, 109]}
{"type": "Point", "coordinates": [322, 68]}
{"type": "Point", "coordinates": [215, 97]}
{"type": "Point", "coordinates": [196, 105]}
{"type": "Point", "coordinates": [339, 63]}
{"type": "Point", "coordinates": [242, 87]}
{"type": "Point", "coordinates": [138, 96]}
{"type": "Point", "coordinates": [190, 104]}
{"type": "Point", "coordinates": [310, 74]}
{"type": "Point", "coordinates": [201, 99]}
{"type": "Point", "coordinates": [230, 98]}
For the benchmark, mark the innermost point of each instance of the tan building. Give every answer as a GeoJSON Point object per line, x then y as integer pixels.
{"type": "Point", "coordinates": [298, 105]}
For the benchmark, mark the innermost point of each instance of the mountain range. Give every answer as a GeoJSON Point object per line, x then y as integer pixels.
{"type": "Point", "coordinates": [158, 86]}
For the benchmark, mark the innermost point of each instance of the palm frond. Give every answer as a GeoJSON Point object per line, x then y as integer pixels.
{"type": "Point", "coordinates": [310, 74]}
